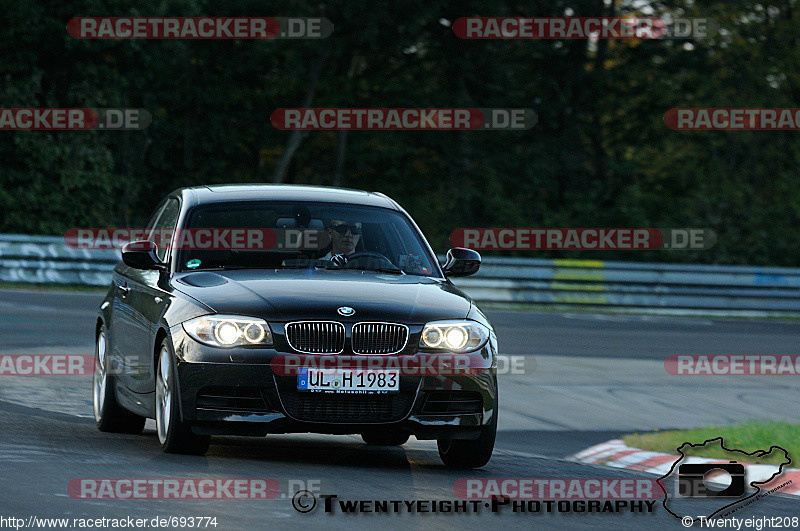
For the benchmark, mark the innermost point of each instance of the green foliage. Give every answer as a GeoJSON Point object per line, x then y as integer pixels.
{"type": "Point", "coordinates": [600, 154]}
{"type": "Point", "coordinates": [749, 437]}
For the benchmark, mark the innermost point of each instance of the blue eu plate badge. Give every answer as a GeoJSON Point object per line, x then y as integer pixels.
{"type": "Point", "coordinates": [302, 378]}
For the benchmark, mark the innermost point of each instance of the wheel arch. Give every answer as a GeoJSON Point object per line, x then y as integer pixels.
{"type": "Point", "coordinates": [161, 335]}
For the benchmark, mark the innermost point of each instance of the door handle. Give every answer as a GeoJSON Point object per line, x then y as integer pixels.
{"type": "Point", "coordinates": [124, 289]}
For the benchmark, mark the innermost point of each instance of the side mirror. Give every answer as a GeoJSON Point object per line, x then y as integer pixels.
{"type": "Point", "coordinates": [141, 255]}
{"type": "Point", "coordinates": [461, 262]}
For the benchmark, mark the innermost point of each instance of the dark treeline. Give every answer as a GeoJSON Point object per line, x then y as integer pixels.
{"type": "Point", "coordinates": [600, 155]}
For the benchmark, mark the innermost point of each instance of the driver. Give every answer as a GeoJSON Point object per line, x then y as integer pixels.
{"type": "Point", "coordinates": [344, 236]}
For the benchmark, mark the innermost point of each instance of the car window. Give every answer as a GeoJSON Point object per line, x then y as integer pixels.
{"type": "Point", "coordinates": [167, 220]}
{"type": "Point", "coordinates": [300, 234]}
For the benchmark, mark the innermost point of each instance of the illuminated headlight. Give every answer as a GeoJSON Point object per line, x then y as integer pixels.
{"type": "Point", "coordinates": [453, 336]}
{"type": "Point", "coordinates": [229, 331]}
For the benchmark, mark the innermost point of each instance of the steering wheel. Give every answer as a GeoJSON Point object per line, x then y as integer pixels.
{"type": "Point", "coordinates": [369, 254]}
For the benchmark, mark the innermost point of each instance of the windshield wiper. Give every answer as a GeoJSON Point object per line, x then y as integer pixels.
{"type": "Point", "coordinates": [304, 265]}
{"type": "Point", "coordinates": [220, 267]}
{"type": "Point", "coordinates": [333, 267]}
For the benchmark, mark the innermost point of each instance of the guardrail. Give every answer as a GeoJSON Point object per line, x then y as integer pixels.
{"type": "Point", "coordinates": [622, 286]}
{"type": "Point", "coordinates": [47, 260]}
{"type": "Point", "coordinates": [670, 288]}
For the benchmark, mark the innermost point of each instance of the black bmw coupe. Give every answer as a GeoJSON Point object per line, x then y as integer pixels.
{"type": "Point", "coordinates": [294, 309]}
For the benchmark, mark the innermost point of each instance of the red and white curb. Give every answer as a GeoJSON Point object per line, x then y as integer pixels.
{"type": "Point", "coordinates": [615, 454]}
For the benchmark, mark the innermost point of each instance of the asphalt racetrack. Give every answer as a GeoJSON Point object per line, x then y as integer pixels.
{"type": "Point", "coordinates": [586, 379]}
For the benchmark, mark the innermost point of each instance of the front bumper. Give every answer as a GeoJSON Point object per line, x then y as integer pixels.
{"type": "Point", "coordinates": [237, 392]}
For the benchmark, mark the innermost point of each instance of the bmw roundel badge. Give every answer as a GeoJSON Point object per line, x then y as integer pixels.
{"type": "Point", "coordinates": [346, 311]}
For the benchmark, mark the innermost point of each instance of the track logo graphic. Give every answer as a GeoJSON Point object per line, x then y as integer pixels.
{"type": "Point", "coordinates": [692, 480]}
{"type": "Point", "coordinates": [701, 481]}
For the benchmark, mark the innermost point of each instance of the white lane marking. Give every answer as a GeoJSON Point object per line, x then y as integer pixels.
{"type": "Point", "coordinates": [598, 448]}
{"type": "Point", "coordinates": [632, 459]}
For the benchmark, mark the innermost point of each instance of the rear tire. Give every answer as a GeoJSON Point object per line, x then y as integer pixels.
{"type": "Point", "coordinates": [109, 416]}
{"type": "Point", "coordinates": [390, 438]}
{"type": "Point", "coordinates": [460, 454]}
{"type": "Point", "coordinates": [176, 437]}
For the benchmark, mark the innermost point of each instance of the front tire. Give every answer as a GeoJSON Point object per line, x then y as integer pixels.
{"type": "Point", "coordinates": [176, 437]}
{"type": "Point", "coordinates": [108, 414]}
{"type": "Point", "coordinates": [460, 454]}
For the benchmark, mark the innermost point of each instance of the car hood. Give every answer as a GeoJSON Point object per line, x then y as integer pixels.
{"type": "Point", "coordinates": [289, 295]}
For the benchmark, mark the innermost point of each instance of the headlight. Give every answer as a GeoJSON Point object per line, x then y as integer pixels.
{"type": "Point", "coordinates": [228, 331]}
{"type": "Point", "coordinates": [453, 336]}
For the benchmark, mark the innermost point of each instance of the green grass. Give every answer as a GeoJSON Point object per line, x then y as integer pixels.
{"type": "Point", "coordinates": [53, 287]}
{"type": "Point", "coordinates": [749, 437]}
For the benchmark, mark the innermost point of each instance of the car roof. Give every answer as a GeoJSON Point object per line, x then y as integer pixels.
{"type": "Point", "coordinates": [283, 192]}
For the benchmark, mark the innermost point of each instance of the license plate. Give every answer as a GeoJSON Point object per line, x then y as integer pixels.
{"type": "Point", "coordinates": [348, 380]}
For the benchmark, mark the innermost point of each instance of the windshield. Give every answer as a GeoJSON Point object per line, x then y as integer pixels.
{"type": "Point", "coordinates": [290, 235]}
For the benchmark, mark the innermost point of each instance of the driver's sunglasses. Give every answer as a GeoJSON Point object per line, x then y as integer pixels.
{"type": "Point", "coordinates": [341, 229]}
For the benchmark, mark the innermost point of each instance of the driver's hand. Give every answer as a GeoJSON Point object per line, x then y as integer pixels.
{"type": "Point", "coordinates": [339, 260]}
